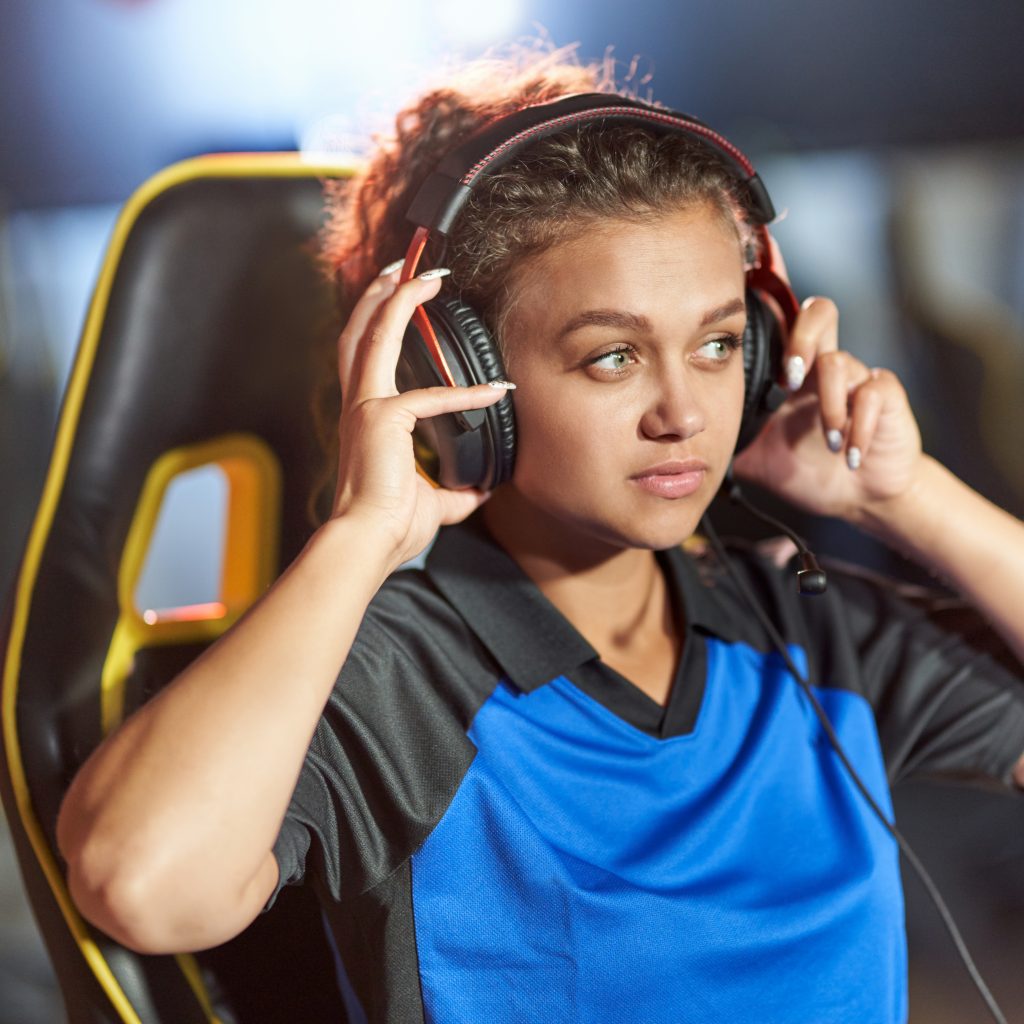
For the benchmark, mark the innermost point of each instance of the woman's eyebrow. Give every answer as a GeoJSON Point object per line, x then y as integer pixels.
{"type": "Point", "coordinates": [637, 322]}
{"type": "Point", "coordinates": [605, 318]}
{"type": "Point", "coordinates": [727, 309]}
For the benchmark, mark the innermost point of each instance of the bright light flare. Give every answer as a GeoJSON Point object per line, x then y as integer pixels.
{"type": "Point", "coordinates": [474, 22]}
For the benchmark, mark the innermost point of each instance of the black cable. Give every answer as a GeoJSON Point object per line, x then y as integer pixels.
{"type": "Point", "coordinates": [810, 577]}
{"type": "Point", "coordinates": [908, 853]}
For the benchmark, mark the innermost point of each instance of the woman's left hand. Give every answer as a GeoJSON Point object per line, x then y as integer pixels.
{"type": "Point", "coordinates": [846, 438]}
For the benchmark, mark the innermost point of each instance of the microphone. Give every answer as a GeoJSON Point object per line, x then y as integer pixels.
{"type": "Point", "coordinates": [810, 577]}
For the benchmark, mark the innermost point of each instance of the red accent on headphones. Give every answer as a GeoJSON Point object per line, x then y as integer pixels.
{"type": "Point", "coordinates": [422, 321]}
{"type": "Point", "coordinates": [765, 277]}
{"type": "Point", "coordinates": [612, 111]}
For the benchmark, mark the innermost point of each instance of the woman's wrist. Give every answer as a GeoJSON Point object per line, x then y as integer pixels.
{"type": "Point", "coordinates": [909, 519]}
{"type": "Point", "coordinates": [360, 548]}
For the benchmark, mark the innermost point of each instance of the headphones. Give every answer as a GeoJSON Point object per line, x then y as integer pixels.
{"type": "Point", "coordinates": [448, 344]}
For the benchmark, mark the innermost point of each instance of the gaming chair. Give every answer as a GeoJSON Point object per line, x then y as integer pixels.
{"type": "Point", "coordinates": [200, 348]}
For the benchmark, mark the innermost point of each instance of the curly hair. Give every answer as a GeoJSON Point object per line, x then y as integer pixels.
{"type": "Point", "coordinates": [551, 193]}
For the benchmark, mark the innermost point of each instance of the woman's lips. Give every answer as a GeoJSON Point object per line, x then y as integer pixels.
{"type": "Point", "coordinates": [671, 479]}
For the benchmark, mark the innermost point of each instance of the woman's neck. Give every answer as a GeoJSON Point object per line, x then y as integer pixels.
{"type": "Point", "coordinates": [615, 597]}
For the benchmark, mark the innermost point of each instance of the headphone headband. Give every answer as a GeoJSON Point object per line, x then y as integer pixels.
{"type": "Point", "coordinates": [445, 191]}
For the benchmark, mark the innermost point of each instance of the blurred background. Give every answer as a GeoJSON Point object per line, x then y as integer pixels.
{"type": "Point", "coordinates": [890, 135]}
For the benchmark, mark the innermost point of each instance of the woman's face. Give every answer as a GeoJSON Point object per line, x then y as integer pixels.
{"type": "Point", "coordinates": [624, 346]}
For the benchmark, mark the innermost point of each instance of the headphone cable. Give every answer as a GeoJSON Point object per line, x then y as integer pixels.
{"type": "Point", "coordinates": [904, 846]}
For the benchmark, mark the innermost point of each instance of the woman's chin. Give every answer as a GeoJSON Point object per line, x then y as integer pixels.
{"type": "Point", "coordinates": [656, 532]}
{"type": "Point", "coordinates": [645, 522]}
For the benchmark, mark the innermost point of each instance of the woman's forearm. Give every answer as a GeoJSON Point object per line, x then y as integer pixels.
{"type": "Point", "coordinates": [169, 824]}
{"type": "Point", "coordinates": [977, 547]}
{"type": "Point", "coordinates": [954, 532]}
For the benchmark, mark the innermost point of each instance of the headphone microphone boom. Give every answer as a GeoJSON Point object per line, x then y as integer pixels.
{"type": "Point", "coordinates": [448, 343]}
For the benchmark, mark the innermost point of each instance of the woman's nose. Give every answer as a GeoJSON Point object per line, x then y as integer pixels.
{"type": "Point", "coordinates": [672, 412]}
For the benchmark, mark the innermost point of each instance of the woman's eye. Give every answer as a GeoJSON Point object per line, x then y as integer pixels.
{"type": "Point", "coordinates": [615, 361]}
{"type": "Point", "coordinates": [719, 349]}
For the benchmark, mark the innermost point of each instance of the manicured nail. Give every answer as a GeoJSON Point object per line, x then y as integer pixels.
{"type": "Point", "coordinates": [795, 371]}
{"type": "Point", "coordinates": [834, 438]}
{"type": "Point", "coordinates": [431, 275]}
{"type": "Point", "coordinates": [853, 457]}
{"type": "Point", "coordinates": [505, 385]}
{"type": "Point", "coordinates": [391, 268]}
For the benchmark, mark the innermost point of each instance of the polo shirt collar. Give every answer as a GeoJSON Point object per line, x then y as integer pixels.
{"type": "Point", "coordinates": [526, 634]}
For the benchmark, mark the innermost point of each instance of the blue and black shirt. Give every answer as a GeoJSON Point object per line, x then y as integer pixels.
{"type": "Point", "coordinates": [503, 829]}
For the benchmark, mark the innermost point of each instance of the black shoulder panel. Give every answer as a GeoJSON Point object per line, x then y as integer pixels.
{"type": "Point", "coordinates": [946, 693]}
{"type": "Point", "coordinates": [391, 748]}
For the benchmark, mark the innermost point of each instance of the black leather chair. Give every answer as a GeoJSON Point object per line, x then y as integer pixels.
{"type": "Point", "coordinates": [201, 346]}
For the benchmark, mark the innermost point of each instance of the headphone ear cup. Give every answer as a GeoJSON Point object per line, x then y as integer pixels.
{"type": "Point", "coordinates": [762, 366]}
{"type": "Point", "coordinates": [471, 449]}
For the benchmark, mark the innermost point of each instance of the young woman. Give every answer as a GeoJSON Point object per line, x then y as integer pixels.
{"type": "Point", "coordinates": [563, 772]}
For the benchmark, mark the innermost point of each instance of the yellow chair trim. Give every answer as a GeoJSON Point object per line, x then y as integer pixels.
{"type": "Point", "coordinates": [249, 565]}
{"type": "Point", "coordinates": [190, 968]}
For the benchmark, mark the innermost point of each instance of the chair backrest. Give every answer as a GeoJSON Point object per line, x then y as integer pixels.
{"type": "Point", "coordinates": [200, 347]}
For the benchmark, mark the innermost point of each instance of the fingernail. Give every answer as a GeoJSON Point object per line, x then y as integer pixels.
{"type": "Point", "coordinates": [505, 385]}
{"type": "Point", "coordinates": [853, 457]}
{"type": "Point", "coordinates": [795, 370]}
{"type": "Point", "coordinates": [432, 275]}
{"type": "Point", "coordinates": [834, 438]}
{"type": "Point", "coordinates": [391, 268]}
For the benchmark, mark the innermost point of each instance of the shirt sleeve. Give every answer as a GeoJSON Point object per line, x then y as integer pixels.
{"type": "Point", "coordinates": [947, 693]}
{"type": "Point", "coordinates": [290, 851]}
{"type": "Point", "coordinates": [305, 827]}
{"type": "Point", "coordinates": [387, 754]}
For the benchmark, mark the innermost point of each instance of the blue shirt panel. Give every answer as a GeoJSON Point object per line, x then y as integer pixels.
{"type": "Point", "coordinates": [588, 871]}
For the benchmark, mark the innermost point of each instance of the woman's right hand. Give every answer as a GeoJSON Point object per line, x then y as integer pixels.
{"type": "Point", "coordinates": [377, 478]}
